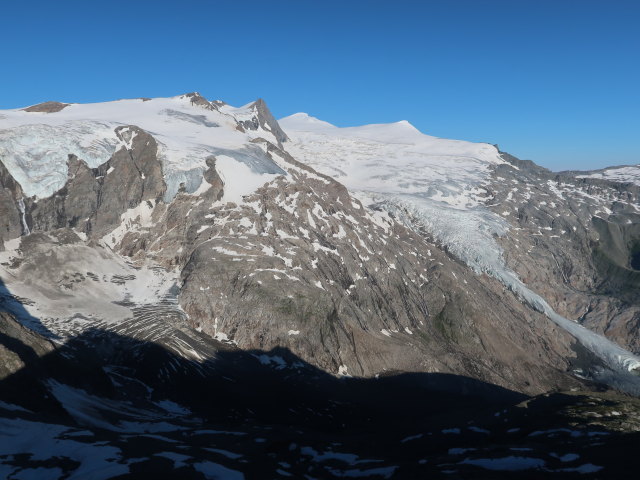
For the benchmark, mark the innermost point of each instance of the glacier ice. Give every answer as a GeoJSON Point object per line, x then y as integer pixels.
{"type": "Point", "coordinates": [35, 146]}
{"type": "Point", "coordinates": [36, 154]}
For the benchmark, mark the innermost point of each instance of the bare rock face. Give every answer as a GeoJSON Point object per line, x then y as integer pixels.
{"type": "Point", "coordinates": [11, 224]}
{"type": "Point", "coordinates": [136, 177]}
{"type": "Point", "coordinates": [92, 200]}
{"type": "Point", "coordinates": [47, 107]}
{"type": "Point", "coordinates": [574, 241]}
{"type": "Point", "coordinates": [212, 178]}
{"type": "Point", "coordinates": [71, 206]}
{"type": "Point", "coordinates": [263, 118]}
{"type": "Point", "coordinates": [19, 346]}
{"type": "Point", "coordinates": [200, 101]}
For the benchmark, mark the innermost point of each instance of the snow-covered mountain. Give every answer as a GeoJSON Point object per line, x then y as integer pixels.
{"type": "Point", "coordinates": [445, 186]}
{"type": "Point", "coordinates": [160, 256]}
{"type": "Point", "coordinates": [34, 145]}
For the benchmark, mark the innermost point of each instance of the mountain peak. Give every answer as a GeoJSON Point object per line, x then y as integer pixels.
{"type": "Point", "coordinates": [199, 100]}
{"type": "Point", "coordinates": [407, 124]}
{"type": "Point", "coordinates": [262, 117]}
{"type": "Point", "coordinates": [304, 122]}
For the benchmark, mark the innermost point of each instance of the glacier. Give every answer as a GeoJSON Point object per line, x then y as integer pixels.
{"type": "Point", "coordinates": [35, 146]}
{"type": "Point", "coordinates": [436, 186]}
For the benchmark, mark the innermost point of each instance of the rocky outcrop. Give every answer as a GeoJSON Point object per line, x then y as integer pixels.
{"type": "Point", "coordinates": [73, 205]}
{"type": "Point", "coordinates": [93, 200]}
{"type": "Point", "coordinates": [47, 107]}
{"type": "Point", "coordinates": [12, 223]}
{"type": "Point", "coordinates": [262, 118]}
{"type": "Point", "coordinates": [131, 176]}
{"type": "Point", "coordinates": [19, 346]}
{"type": "Point", "coordinates": [211, 176]}
{"type": "Point", "coordinates": [199, 101]}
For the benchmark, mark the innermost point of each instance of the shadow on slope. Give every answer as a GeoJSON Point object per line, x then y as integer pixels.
{"type": "Point", "coordinates": [257, 414]}
{"type": "Point", "coordinates": [14, 305]}
{"type": "Point", "coordinates": [274, 387]}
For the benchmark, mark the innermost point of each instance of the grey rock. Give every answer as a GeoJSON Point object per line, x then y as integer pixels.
{"type": "Point", "coordinates": [212, 178]}
{"type": "Point", "coordinates": [19, 345]}
{"type": "Point", "coordinates": [92, 200]}
{"type": "Point", "coordinates": [263, 118]}
{"type": "Point", "coordinates": [10, 215]}
{"type": "Point", "coordinates": [200, 101]}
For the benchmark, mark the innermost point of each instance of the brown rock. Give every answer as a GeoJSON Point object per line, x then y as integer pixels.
{"type": "Point", "coordinates": [46, 107]}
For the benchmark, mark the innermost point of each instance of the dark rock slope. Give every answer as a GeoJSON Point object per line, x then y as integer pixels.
{"type": "Point", "coordinates": [109, 406]}
{"type": "Point", "coordinates": [11, 224]}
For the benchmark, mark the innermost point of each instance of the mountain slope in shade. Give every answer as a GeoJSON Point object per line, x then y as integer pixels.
{"type": "Point", "coordinates": [132, 408]}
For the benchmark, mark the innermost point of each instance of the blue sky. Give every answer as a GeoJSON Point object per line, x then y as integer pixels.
{"type": "Point", "coordinates": [556, 81]}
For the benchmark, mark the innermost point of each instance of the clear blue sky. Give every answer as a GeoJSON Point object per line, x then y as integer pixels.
{"type": "Point", "coordinates": [555, 81]}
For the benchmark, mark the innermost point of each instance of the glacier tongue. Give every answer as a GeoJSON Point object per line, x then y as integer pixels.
{"type": "Point", "coordinates": [436, 186]}
{"type": "Point", "coordinates": [468, 234]}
